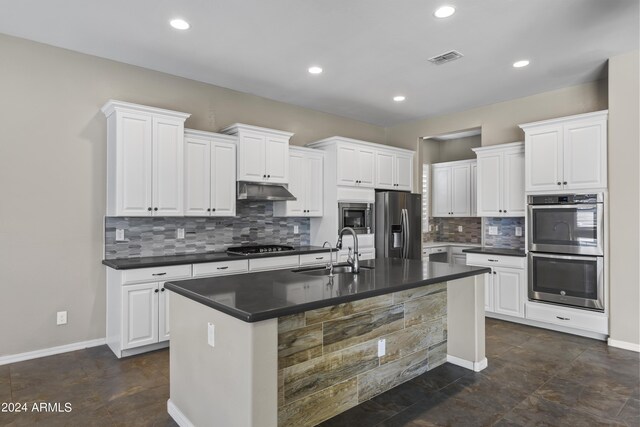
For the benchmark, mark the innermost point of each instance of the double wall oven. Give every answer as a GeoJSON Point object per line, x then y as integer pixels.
{"type": "Point", "coordinates": [566, 249]}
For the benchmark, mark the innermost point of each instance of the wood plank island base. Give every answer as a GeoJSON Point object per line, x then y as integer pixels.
{"type": "Point", "coordinates": [295, 349]}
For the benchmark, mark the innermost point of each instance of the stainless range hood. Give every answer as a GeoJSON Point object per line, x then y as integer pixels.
{"type": "Point", "coordinates": [263, 191]}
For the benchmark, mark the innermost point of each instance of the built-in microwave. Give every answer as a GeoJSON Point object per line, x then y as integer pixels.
{"type": "Point", "coordinates": [358, 216]}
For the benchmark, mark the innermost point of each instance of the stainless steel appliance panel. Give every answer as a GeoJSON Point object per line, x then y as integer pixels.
{"type": "Point", "coordinates": [398, 225]}
{"type": "Point", "coordinates": [358, 216]}
{"type": "Point", "coordinates": [567, 279]}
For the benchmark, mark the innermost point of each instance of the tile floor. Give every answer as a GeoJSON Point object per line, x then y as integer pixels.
{"type": "Point", "coordinates": [535, 377]}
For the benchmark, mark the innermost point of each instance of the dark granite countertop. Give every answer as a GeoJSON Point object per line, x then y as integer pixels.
{"type": "Point", "coordinates": [161, 261]}
{"type": "Point", "coordinates": [497, 251]}
{"type": "Point", "coordinates": [266, 295]}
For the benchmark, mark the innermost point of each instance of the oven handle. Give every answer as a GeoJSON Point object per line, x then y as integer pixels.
{"type": "Point", "coordinates": [577, 257]}
{"type": "Point", "coordinates": [585, 206]}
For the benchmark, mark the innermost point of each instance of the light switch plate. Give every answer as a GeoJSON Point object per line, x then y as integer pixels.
{"type": "Point", "coordinates": [493, 230]}
{"type": "Point", "coordinates": [211, 334]}
{"type": "Point", "coordinates": [382, 347]}
{"type": "Point", "coordinates": [518, 231]}
{"type": "Point", "coordinates": [296, 229]}
{"type": "Point", "coordinates": [119, 234]}
{"type": "Point", "coordinates": [180, 233]}
{"type": "Point", "coordinates": [460, 229]}
{"type": "Point", "coordinates": [61, 318]}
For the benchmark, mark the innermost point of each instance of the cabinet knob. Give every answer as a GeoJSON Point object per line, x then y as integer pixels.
{"type": "Point", "coordinates": [208, 210]}
{"type": "Point", "coordinates": [564, 183]}
{"type": "Point", "coordinates": [505, 211]}
{"type": "Point", "coordinates": [268, 176]}
{"type": "Point", "coordinates": [149, 209]}
{"type": "Point", "coordinates": [559, 183]}
{"type": "Point", "coordinates": [156, 291]}
{"type": "Point", "coordinates": [213, 209]}
{"type": "Point", "coordinates": [162, 290]}
{"type": "Point", "coordinates": [155, 209]}
{"type": "Point", "coordinates": [264, 176]}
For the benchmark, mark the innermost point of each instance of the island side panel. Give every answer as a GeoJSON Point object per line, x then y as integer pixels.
{"type": "Point", "coordinates": [328, 358]}
{"type": "Point", "coordinates": [233, 384]}
{"type": "Point", "coordinates": [466, 322]}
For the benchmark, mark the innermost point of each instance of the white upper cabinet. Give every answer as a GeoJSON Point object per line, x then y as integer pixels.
{"type": "Point", "coordinates": [367, 165]}
{"type": "Point", "coordinates": [568, 153]}
{"type": "Point", "coordinates": [210, 174]}
{"type": "Point", "coordinates": [394, 171]}
{"type": "Point", "coordinates": [263, 154]}
{"type": "Point", "coordinates": [451, 189]}
{"type": "Point", "coordinates": [500, 180]}
{"type": "Point", "coordinates": [145, 148]}
{"type": "Point", "coordinates": [306, 169]}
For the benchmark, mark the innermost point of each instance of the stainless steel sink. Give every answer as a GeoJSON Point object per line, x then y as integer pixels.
{"type": "Point", "coordinates": [324, 271]}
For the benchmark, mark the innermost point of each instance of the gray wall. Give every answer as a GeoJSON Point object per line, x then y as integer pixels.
{"type": "Point", "coordinates": [624, 212]}
{"type": "Point", "coordinates": [52, 176]}
{"type": "Point", "coordinates": [456, 149]}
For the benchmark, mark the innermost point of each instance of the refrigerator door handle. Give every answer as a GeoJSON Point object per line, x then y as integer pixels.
{"type": "Point", "coordinates": [405, 234]}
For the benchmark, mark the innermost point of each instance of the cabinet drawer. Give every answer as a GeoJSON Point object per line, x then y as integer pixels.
{"type": "Point", "coordinates": [273, 263]}
{"type": "Point", "coordinates": [318, 258]}
{"type": "Point", "coordinates": [156, 274]}
{"type": "Point", "coordinates": [484, 260]}
{"type": "Point", "coordinates": [220, 268]}
{"type": "Point", "coordinates": [571, 318]}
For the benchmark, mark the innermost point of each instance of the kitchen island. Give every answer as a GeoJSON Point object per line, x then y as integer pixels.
{"type": "Point", "coordinates": [294, 348]}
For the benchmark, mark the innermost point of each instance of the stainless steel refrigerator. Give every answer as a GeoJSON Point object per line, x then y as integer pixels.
{"type": "Point", "coordinates": [398, 225]}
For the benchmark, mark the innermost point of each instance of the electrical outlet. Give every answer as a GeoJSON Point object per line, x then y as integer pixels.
{"type": "Point", "coordinates": [437, 227]}
{"type": "Point", "coordinates": [119, 234]}
{"type": "Point", "coordinates": [459, 229]}
{"type": "Point", "coordinates": [61, 318]}
{"type": "Point", "coordinates": [180, 233]}
{"type": "Point", "coordinates": [296, 229]}
{"type": "Point", "coordinates": [211, 334]}
{"type": "Point", "coordinates": [430, 227]}
{"type": "Point", "coordinates": [518, 231]}
{"type": "Point", "coordinates": [493, 230]}
{"type": "Point", "coordinates": [382, 347]}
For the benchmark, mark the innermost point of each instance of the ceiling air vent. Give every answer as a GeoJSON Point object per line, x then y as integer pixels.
{"type": "Point", "coordinates": [452, 55]}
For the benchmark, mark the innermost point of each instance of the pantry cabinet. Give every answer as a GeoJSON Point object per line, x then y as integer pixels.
{"type": "Point", "coordinates": [263, 154]}
{"type": "Point", "coordinates": [394, 170]}
{"type": "Point", "coordinates": [145, 148]}
{"type": "Point", "coordinates": [210, 174]}
{"type": "Point", "coordinates": [500, 180]}
{"type": "Point", "coordinates": [451, 189]}
{"type": "Point", "coordinates": [306, 169]}
{"type": "Point", "coordinates": [568, 153]}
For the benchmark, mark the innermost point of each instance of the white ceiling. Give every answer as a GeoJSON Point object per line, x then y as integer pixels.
{"type": "Point", "coordinates": [370, 50]}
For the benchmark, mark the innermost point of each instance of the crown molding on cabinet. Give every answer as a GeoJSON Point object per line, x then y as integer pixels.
{"type": "Point", "coordinates": [113, 105]}
{"type": "Point", "coordinates": [592, 115]}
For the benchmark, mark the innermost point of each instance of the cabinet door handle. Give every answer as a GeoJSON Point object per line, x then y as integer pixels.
{"type": "Point", "coordinates": [319, 257]}
{"type": "Point", "coordinates": [223, 268]}
{"type": "Point", "coordinates": [492, 260]}
{"type": "Point", "coordinates": [563, 318]}
{"type": "Point", "coordinates": [159, 274]}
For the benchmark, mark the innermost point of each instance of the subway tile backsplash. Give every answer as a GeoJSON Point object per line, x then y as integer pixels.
{"type": "Point", "coordinates": [156, 236]}
{"type": "Point", "coordinates": [506, 237]}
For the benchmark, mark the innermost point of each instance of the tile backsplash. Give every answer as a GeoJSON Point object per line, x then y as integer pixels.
{"type": "Point", "coordinates": [154, 236]}
{"type": "Point", "coordinates": [446, 230]}
{"type": "Point", "coordinates": [506, 237]}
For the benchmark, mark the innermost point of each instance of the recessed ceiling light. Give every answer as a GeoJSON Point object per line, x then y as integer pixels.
{"type": "Point", "coordinates": [315, 70]}
{"type": "Point", "coordinates": [444, 11]}
{"type": "Point", "coordinates": [399, 98]}
{"type": "Point", "coordinates": [520, 64]}
{"type": "Point", "coordinates": [179, 24]}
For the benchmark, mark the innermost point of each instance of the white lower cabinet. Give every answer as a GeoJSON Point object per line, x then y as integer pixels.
{"type": "Point", "coordinates": [505, 287]}
{"type": "Point", "coordinates": [138, 308]}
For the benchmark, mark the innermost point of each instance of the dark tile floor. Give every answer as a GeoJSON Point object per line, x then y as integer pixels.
{"type": "Point", "coordinates": [535, 377]}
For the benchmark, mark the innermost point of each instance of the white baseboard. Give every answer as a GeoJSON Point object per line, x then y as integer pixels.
{"type": "Point", "coordinates": [624, 345]}
{"type": "Point", "coordinates": [467, 364]}
{"type": "Point", "coordinates": [177, 415]}
{"type": "Point", "coordinates": [13, 358]}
